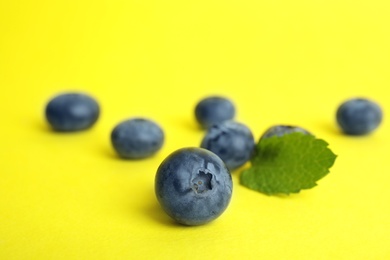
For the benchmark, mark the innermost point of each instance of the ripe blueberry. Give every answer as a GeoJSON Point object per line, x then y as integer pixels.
{"type": "Point", "coordinates": [359, 116]}
{"type": "Point", "coordinates": [72, 112]}
{"type": "Point", "coordinates": [137, 138]}
{"type": "Point", "coordinates": [214, 110]}
{"type": "Point", "coordinates": [233, 142]}
{"type": "Point", "coordinates": [193, 186]}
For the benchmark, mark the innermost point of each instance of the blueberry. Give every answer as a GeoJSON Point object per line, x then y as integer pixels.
{"type": "Point", "coordinates": [137, 138]}
{"type": "Point", "coordinates": [214, 110]}
{"type": "Point", "coordinates": [359, 116]}
{"type": "Point", "coordinates": [233, 142]}
{"type": "Point", "coordinates": [280, 130]}
{"type": "Point", "coordinates": [193, 186]}
{"type": "Point", "coordinates": [72, 112]}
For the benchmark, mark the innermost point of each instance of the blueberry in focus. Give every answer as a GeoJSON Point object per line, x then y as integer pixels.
{"type": "Point", "coordinates": [193, 186]}
{"type": "Point", "coordinates": [214, 110]}
{"type": "Point", "coordinates": [280, 130]}
{"type": "Point", "coordinates": [359, 116]}
{"type": "Point", "coordinates": [72, 112]}
{"type": "Point", "coordinates": [233, 142]}
{"type": "Point", "coordinates": [137, 138]}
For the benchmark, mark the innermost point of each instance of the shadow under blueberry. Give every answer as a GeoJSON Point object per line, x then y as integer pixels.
{"type": "Point", "coordinates": [331, 128]}
{"type": "Point", "coordinates": [154, 212]}
{"type": "Point", "coordinates": [188, 124]}
{"type": "Point", "coordinates": [44, 127]}
{"type": "Point", "coordinates": [109, 152]}
{"type": "Point", "coordinates": [335, 130]}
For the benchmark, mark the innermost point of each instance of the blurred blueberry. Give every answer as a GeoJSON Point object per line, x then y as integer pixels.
{"type": "Point", "coordinates": [214, 110]}
{"type": "Point", "coordinates": [72, 112]}
{"type": "Point", "coordinates": [359, 116]}
{"type": "Point", "coordinates": [137, 138]}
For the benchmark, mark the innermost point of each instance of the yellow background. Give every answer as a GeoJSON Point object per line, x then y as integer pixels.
{"type": "Point", "coordinates": [68, 196]}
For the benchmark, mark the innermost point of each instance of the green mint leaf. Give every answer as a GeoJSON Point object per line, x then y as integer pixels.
{"type": "Point", "coordinates": [288, 164]}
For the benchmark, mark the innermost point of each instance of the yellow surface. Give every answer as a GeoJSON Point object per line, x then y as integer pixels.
{"type": "Point", "coordinates": [67, 196]}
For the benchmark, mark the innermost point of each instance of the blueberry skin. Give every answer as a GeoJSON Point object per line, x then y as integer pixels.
{"type": "Point", "coordinates": [233, 142]}
{"type": "Point", "coordinates": [137, 138]}
{"type": "Point", "coordinates": [280, 130]}
{"type": "Point", "coordinates": [214, 110]}
{"type": "Point", "coordinates": [72, 112]}
{"type": "Point", "coordinates": [193, 186]}
{"type": "Point", "coordinates": [359, 116]}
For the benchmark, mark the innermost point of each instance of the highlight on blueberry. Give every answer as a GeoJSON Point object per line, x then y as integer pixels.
{"type": "Point", "coordinates": [72, 112]}
{"type": "Point", "coordinates": [193, 186]}
{"type": "Point", "coordinates": [359, 116]}
{"type": "Point", "coordinates": [214, 110]}
{"type": "Point", "coordinates": [137, 138]}
{"type": "Point", "coordinates": [233, 142]}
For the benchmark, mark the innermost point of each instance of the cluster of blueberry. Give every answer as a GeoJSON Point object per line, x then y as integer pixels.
{"type": "Point", "coordinates": [133, 139]}
{"type": "Point", "coordinates": [194, 185]}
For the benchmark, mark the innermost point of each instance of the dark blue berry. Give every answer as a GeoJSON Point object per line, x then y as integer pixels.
{"type": "Point", "coordinates": [214, 110]}
{"type": "Point", "coordinates": [72, 112]}
{"type": "Point", "coordinates": [359, 116]}
{"type": "Point", "coordinates": [193, 186]}
{"type": "Point", "coordinates": [137, 138]}
{"type": "Point", "coordinates": [233, 142]}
